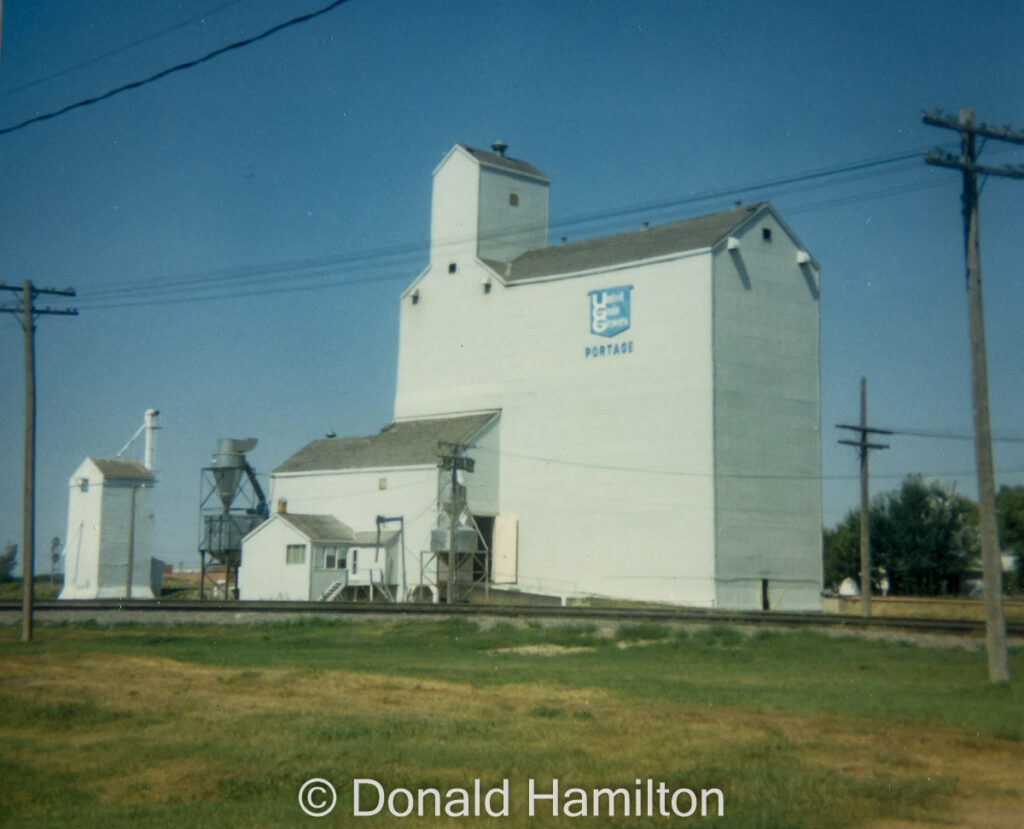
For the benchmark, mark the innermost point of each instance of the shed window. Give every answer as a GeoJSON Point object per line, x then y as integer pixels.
{"type": "Point", "coordinates": [329, 556]}
{"type": "Point", "coordinates": [295, 554]}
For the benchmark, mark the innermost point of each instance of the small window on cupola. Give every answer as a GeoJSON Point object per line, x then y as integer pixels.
{"type": "Point", "coordinates": [513, 199]}
{"type": "Point", "coordinates": [452, 267]}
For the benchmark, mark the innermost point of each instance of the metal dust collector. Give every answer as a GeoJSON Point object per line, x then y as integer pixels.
{"type": "Point", "coordinates": [232, 504]}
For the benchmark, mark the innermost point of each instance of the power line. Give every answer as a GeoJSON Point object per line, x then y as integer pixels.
{"type": "Point", "coordinates": [119, 50]}
{"type": "Point", "coordinates": [938, 434]}
{"type": "Point", "coordinates": [238, 44]}
{"type": "Point", "coordinates": [272, 272]}
{"type": "Point", "coordinates": [130, 293]}
{"type": "Point", "coordinates": [842, 201]}
{"type": "Point", "coordinates": [709, 195]}
{"type": "Point", "coordinates": [248, 292]}
{"type": "Point", "coordinates": [675, 473]}
{"type": "Point", "coordinates": [371, 257]}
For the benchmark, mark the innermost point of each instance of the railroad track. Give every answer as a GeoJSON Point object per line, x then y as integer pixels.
{"type": "Point", "coordinates": [138, 610]}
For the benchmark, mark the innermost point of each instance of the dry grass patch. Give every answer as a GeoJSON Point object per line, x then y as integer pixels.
{"type": "Point", "coordinates": [543, 650]}
{"type": "Point", "coordinates": [148, 731]}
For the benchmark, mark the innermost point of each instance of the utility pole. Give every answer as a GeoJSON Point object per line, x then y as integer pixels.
{"type": "Point", "coordinates": [28, 515]}
{"type": "Point", "coordinates": [54, 556]}
{"type": "Point", "coordinates": [991, 561]}
{"type": "Point", "coordinates": [865, 504]}
{"type": "Point", "coordinates": [454, 462]}
{"type": "Point", "coordinates": [131, 542]}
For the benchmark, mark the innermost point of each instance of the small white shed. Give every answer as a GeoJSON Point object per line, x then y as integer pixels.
{"type": "Point", "coordinates": [110, 530]}
{"type": "Point", "coordinates": [296, 557]}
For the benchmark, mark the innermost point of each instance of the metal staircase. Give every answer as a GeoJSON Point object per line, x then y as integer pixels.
{"type": "Point", "coordinates": [332, 590]}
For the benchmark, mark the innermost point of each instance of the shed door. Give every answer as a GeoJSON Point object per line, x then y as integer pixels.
{"type": "Point", "coordinates": [505, 550]}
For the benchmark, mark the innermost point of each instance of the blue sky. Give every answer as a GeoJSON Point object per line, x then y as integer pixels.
{"type": "Point", "coordinates": [239, 233]}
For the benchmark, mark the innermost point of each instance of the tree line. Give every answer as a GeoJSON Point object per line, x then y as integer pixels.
{"type": "Point", "coordinates": [924, 541]}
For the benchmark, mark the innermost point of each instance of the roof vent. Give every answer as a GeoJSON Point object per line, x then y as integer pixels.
{"type": "Point", "coordinates": [499, 147]}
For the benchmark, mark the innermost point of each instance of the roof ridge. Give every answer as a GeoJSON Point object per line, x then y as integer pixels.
{"type": "Point", "coordinates": [743, 212]}
{"type": "Point", "coordinates": [400, 443]}
{"type": "Point", "coordinates": [692, 233]}
{"type": "Point", "coordinates": [503, 162]}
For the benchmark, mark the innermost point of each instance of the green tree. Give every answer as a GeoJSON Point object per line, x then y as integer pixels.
{"type": "Point", "coordinates": [1010, 511]}
{"type": "Point", "coordinates": [925, 537]}
{"type": "Point", "coordinates": [7, 562]}
{"type": "Point", "coordinates": [842, 551]}
{"type": "Point", "coordinates": [923, 540]}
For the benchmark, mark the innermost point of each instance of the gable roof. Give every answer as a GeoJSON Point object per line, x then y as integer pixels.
{"type": "Point", "coordinates": [123, 468]}
{"type": "Point", "coordinates": [319, 527]}
{"type": "Point", "coordinates": [404, 443]}
{"type": "Point", "coordinates": [661, 240]}
{"type": "Point", "coordinates": [369, 538]}
{"type": "Point", "coordinates": [502, 162]}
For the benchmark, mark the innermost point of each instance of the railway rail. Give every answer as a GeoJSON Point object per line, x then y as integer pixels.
{"type": "Point", "coordinates": [138, 610]}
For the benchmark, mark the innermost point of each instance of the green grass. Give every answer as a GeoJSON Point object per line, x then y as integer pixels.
{"type": "Point", "coordinates": [595, 715]}
{"type": "Point", "coordinates": [43, 588]}
{"type": "Point", "coordinates": [803, 672]}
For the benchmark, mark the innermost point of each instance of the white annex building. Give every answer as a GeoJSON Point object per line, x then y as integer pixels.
{"type": "Point", "coordinates": [642, 410]}
{"type": "Point", "coordinates": [110, 531]}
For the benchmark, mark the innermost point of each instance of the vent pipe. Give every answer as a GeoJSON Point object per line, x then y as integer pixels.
{"type": "Point", "coordinates": [499, 147]}
{"type": "Point", "coordinates": [151, 427]}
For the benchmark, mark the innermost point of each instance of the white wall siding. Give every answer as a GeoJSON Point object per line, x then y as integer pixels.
{"type": "Point", "coordinates": [605, 460]}
{"type": "Point", "coordinates": [99, 520]}
{"type": "Point", "coordinates": [505, 229]}
{"type": "Point", "coordinates": [116, 518]}
{"type": "Point", "coordinates": [82, 548]}
{"type": "Point", "coordinates": [484, 211]}
{"type": "Point", "coordinates": [675, 458]}
{"type": "Point", "coordinates": [356, 498]}
{"type": "Point", "coordinates": [454, 209]}
{"type": "Point", "coordinates": [767, 419]}
{"type": "Point", "coordinates": [264, 575]}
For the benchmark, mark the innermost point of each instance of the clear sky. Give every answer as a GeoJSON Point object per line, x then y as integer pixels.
{"type": "Point", "coordinates": [239, 232]}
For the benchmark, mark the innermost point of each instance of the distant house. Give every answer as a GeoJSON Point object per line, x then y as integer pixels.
{"type": "Point", "coordinates": [110, 523]}
{"type": "Point", "coordinates": [302, 557]}
{"type": "Point", "coordinates": [643, 409]}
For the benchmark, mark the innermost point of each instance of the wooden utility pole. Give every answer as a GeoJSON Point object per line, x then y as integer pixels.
{"type": "Point", "coordinates": [453, 512]}
{"type": "Point", "coordinates": [865, 499]}
{"type": "Point", "coordinates": [28, 514]}
{"type": "Point", "coordinates": [454, 462]}
{"type": "Point", "coordinates": [131, 544]}
{"type": "Point", "coordinates": [991, 560]}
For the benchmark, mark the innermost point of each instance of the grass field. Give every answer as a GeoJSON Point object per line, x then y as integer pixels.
{"type": "Point", "coordinates": [146, 726]}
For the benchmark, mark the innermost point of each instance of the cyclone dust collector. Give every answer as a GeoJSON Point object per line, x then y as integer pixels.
{"type": "Point", "coordinates": [231, 505]}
